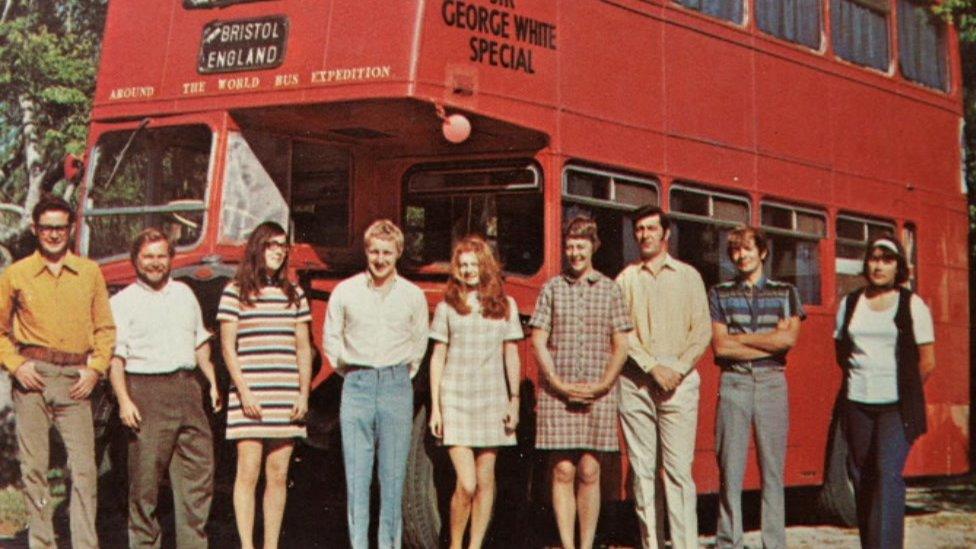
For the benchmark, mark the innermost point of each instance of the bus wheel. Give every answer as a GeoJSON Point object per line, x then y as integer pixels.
{"type": "Point", "coordinates": [836, 500]}
{"type": "Point", "coordinates": [421, 518]}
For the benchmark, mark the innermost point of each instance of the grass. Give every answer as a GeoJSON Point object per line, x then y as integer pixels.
{"type": "Point", "coordinates": [13, 512]}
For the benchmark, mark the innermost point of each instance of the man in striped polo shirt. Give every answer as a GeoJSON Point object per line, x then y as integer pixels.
{"type": "Point", "coordinates": [755, 322]}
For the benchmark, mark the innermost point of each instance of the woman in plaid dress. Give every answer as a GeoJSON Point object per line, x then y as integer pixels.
{"type": "Point", "coordinates": [474, 376]}
{"type": "Point", "coordinates": [580, 340]}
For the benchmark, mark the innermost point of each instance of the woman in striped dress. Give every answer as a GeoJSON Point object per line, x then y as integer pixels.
{"type": "Point", "coordinates": [264, 321]}
{"type": "Point", "coordinates": [474, 381]}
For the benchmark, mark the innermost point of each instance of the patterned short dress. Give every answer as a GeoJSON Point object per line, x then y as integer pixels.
{"type": "Point", "coordinates": [581, 316]}
{"type": "Point", "coordinates": [474, 394]}
{"type": "Point", "coordinates": [267, 356]}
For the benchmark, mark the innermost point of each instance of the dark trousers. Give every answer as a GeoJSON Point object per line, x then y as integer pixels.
{"type": "Point", "coordinates": [174, 437]}
{"type": "Point", "coordinates": [878, 450]}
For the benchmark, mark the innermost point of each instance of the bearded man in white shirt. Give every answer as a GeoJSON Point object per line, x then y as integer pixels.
{"type": "Point", "coordinates": [162, 348]}
{"type": "Point", "coordinates": [375, 337]}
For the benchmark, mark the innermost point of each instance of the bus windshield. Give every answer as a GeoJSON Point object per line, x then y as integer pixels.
{"type": "Point", "coordinates": [161, 181]}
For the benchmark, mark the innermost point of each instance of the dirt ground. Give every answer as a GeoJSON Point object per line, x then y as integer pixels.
{"type": "Point", "coordinates": [941, 513]}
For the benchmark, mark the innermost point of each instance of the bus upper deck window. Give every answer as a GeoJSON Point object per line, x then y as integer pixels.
{"type": "Point", "coordinates": [797, 21]}
{"type": "Point", "coordinates": [609, 197]}
{"type": "Point", "coordinates": [730, 10]}
{"type": "Point", "coordinates": [501, 201]}
{"type": "Point", "coordinates": [794, 236]}
{"type": "Point", "coordinates": [859, 31]}
{"type": "Point", "coordinates": [701, 221]}
{"type": "Point", "coordinates": [853, 235]}
{"type": "Point", "coordinates": [922, 44]}
{"type": "Point", "coordinates": [161, 182]}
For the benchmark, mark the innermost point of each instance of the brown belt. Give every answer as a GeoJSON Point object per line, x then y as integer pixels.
{"type": "Point", "coordinates": [53, 356]}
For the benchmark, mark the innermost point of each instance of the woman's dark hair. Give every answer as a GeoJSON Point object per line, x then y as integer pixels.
{"type": "Point", "coordinates": [52, 203]}
{"type": "Point", "coordinates": [884, 241]}
{"type": "Point", "coordinates": [252, 275]}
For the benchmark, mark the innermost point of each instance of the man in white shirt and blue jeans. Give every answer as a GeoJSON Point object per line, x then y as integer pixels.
{"type": "Point", "coordinates": [160, 343]}
{"type": "Point", "coordinates": [375, 336]}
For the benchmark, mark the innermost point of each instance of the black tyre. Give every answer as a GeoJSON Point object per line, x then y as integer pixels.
{"type": "Point", "coordinates": [421, 517]}
{"type": "Point", "coordinates": [836, 499]}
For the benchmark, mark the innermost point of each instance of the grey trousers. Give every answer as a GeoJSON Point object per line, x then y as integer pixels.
{"type": "Point", "coordinates": [745, 400]}
{"type": "Point", "coordinates": [36, 411]}
{"type": "Point", "coordinates": [174, 435]}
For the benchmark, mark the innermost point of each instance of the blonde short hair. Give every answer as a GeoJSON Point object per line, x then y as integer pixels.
{"type": "Point", "coordinates": [384, 229]}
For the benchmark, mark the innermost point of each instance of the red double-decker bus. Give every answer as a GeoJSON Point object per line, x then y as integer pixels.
{"type": "Point", "coordinates": [824, 121]}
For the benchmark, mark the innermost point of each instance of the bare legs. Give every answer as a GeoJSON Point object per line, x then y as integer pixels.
{"type": "Point", "coordinates": [474, 494]}
{"type": "Point", "coordinates": [568, 500]}
{"type": "Point", "coordinates": [276, 456]}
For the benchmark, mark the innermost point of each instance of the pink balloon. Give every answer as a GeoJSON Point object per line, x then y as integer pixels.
{"type": "Point", "coordinates": [456, 128]}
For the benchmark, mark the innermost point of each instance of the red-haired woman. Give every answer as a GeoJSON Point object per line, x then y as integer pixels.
{"type": "Point", "coordinates": [474, 380]}
{"type": "Point", "coordinates": [265, 339]}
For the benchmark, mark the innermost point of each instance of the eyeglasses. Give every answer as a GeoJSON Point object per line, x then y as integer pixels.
{"type": "Point", "coordinates": [53, 228]}
{"type": "Point", "coordinates": [275, 246]}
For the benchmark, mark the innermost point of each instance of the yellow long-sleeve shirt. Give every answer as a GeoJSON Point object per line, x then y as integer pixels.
{"type": "Point", "coordinates": [69, 311]}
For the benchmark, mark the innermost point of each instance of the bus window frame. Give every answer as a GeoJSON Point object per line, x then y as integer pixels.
{"type": "Point", "coordinates": [794, 233]}
{"type": "Point", "coordinates": [566, 196]}
{"type": "Point", "coordinates": [686, 186]}
{"type": "Point", "coordinates": [865, 220]}
{"type": "Point", "coordinates": [747, 15]}
{"type": "Point", "coordinates": [944, 57]}
{"type": "Point", "coordinates": [85, 231]}
{"type": "Point", "coordinates": [350, 212]}
{"type": "Point", "coordinates": [890, 33]}
{"type": "Point", "coordinates": [442, 267]}
{"type": "Point", "coordinates": [822, 40]}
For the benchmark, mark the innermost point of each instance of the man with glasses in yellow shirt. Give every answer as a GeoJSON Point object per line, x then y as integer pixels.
{"type": "Point", "coordinates": [56, 337]}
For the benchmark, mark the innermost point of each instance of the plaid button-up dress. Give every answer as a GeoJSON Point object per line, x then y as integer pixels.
{"type": "Point", "coordinates": [581, 316]}
{"type": "Point", "coordinates": [474, 394]}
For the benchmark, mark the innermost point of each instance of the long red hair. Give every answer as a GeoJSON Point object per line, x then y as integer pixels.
{"type": "Point", "coordinates": [494, 303]}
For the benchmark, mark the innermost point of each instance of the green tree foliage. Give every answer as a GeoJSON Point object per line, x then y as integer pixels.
{"type": "Point", "coordinates": [48, 59]}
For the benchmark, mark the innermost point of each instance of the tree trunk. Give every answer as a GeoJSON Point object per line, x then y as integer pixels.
{"type": "Point", "coordinates": [7, 7]}
{"type": "Point", "coordinates": [32, 156]}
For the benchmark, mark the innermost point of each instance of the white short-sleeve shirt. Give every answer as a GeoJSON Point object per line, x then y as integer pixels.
{"type": "Point", "coordinates": [873, 376]}
{"type": "Point", "coordinates": [158, 331]}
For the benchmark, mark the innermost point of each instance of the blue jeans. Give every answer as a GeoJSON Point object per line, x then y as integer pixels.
{"type": "Point", "coordinates": [752, 400]}
{"type": "Point", "coordinates": [376, 416]}
{"type": "Point", "coordinates": [878, 450]}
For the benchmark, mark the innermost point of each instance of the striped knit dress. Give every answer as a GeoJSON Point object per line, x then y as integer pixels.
{"type": "Point", "coordinates": [268, 360]}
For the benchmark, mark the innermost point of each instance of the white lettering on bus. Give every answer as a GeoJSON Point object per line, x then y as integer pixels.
{"type": "Point", "coordinates": [351, 74]}
{"type": "Point", "coordinates": [135, 92]}
{"type": "Point", "coordinates": [284, 80]}
{"type": "Point", "coordinates": [253, 30]}
{"type": "Point", "coordinates": [239, 83]}
{"type": "Point", "coordinates": [191, 88]}
{"type": "Point", "coordinates": [242, 58]}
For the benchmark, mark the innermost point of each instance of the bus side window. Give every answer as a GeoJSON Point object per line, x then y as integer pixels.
{"type": "Point", "coordinates": [256, 183]}
{"type": "Point", "coordinates": [609, 198]}
{"type": "Point", "coordinates": [859, 31]}
{"type": "Point", "coordinates": [320, 193]}
{"type": "Point", "coordinates": [794, 247]}
{"type": "Point", "coordinates": [922, 44]}
{"type": "Point", "coordinates": [730, 10]}
{"type": "Point", "coordinates": [796, 21]}
{"type": "Point", "coordinates": [909, 237]}
{"type": "Point", "coordinates": [700, 225]}
{"type": "Point", "coordinates": [499, 200]}
{"type": "Point", "coordinates": [853, 235]}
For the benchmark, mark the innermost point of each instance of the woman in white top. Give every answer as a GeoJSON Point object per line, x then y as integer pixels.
{"type": "Point", "coordinates": [884, 343]}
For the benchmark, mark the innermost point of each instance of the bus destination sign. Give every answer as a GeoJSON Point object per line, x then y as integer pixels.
{"type": "Point", "coordinates": [243, 45]}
